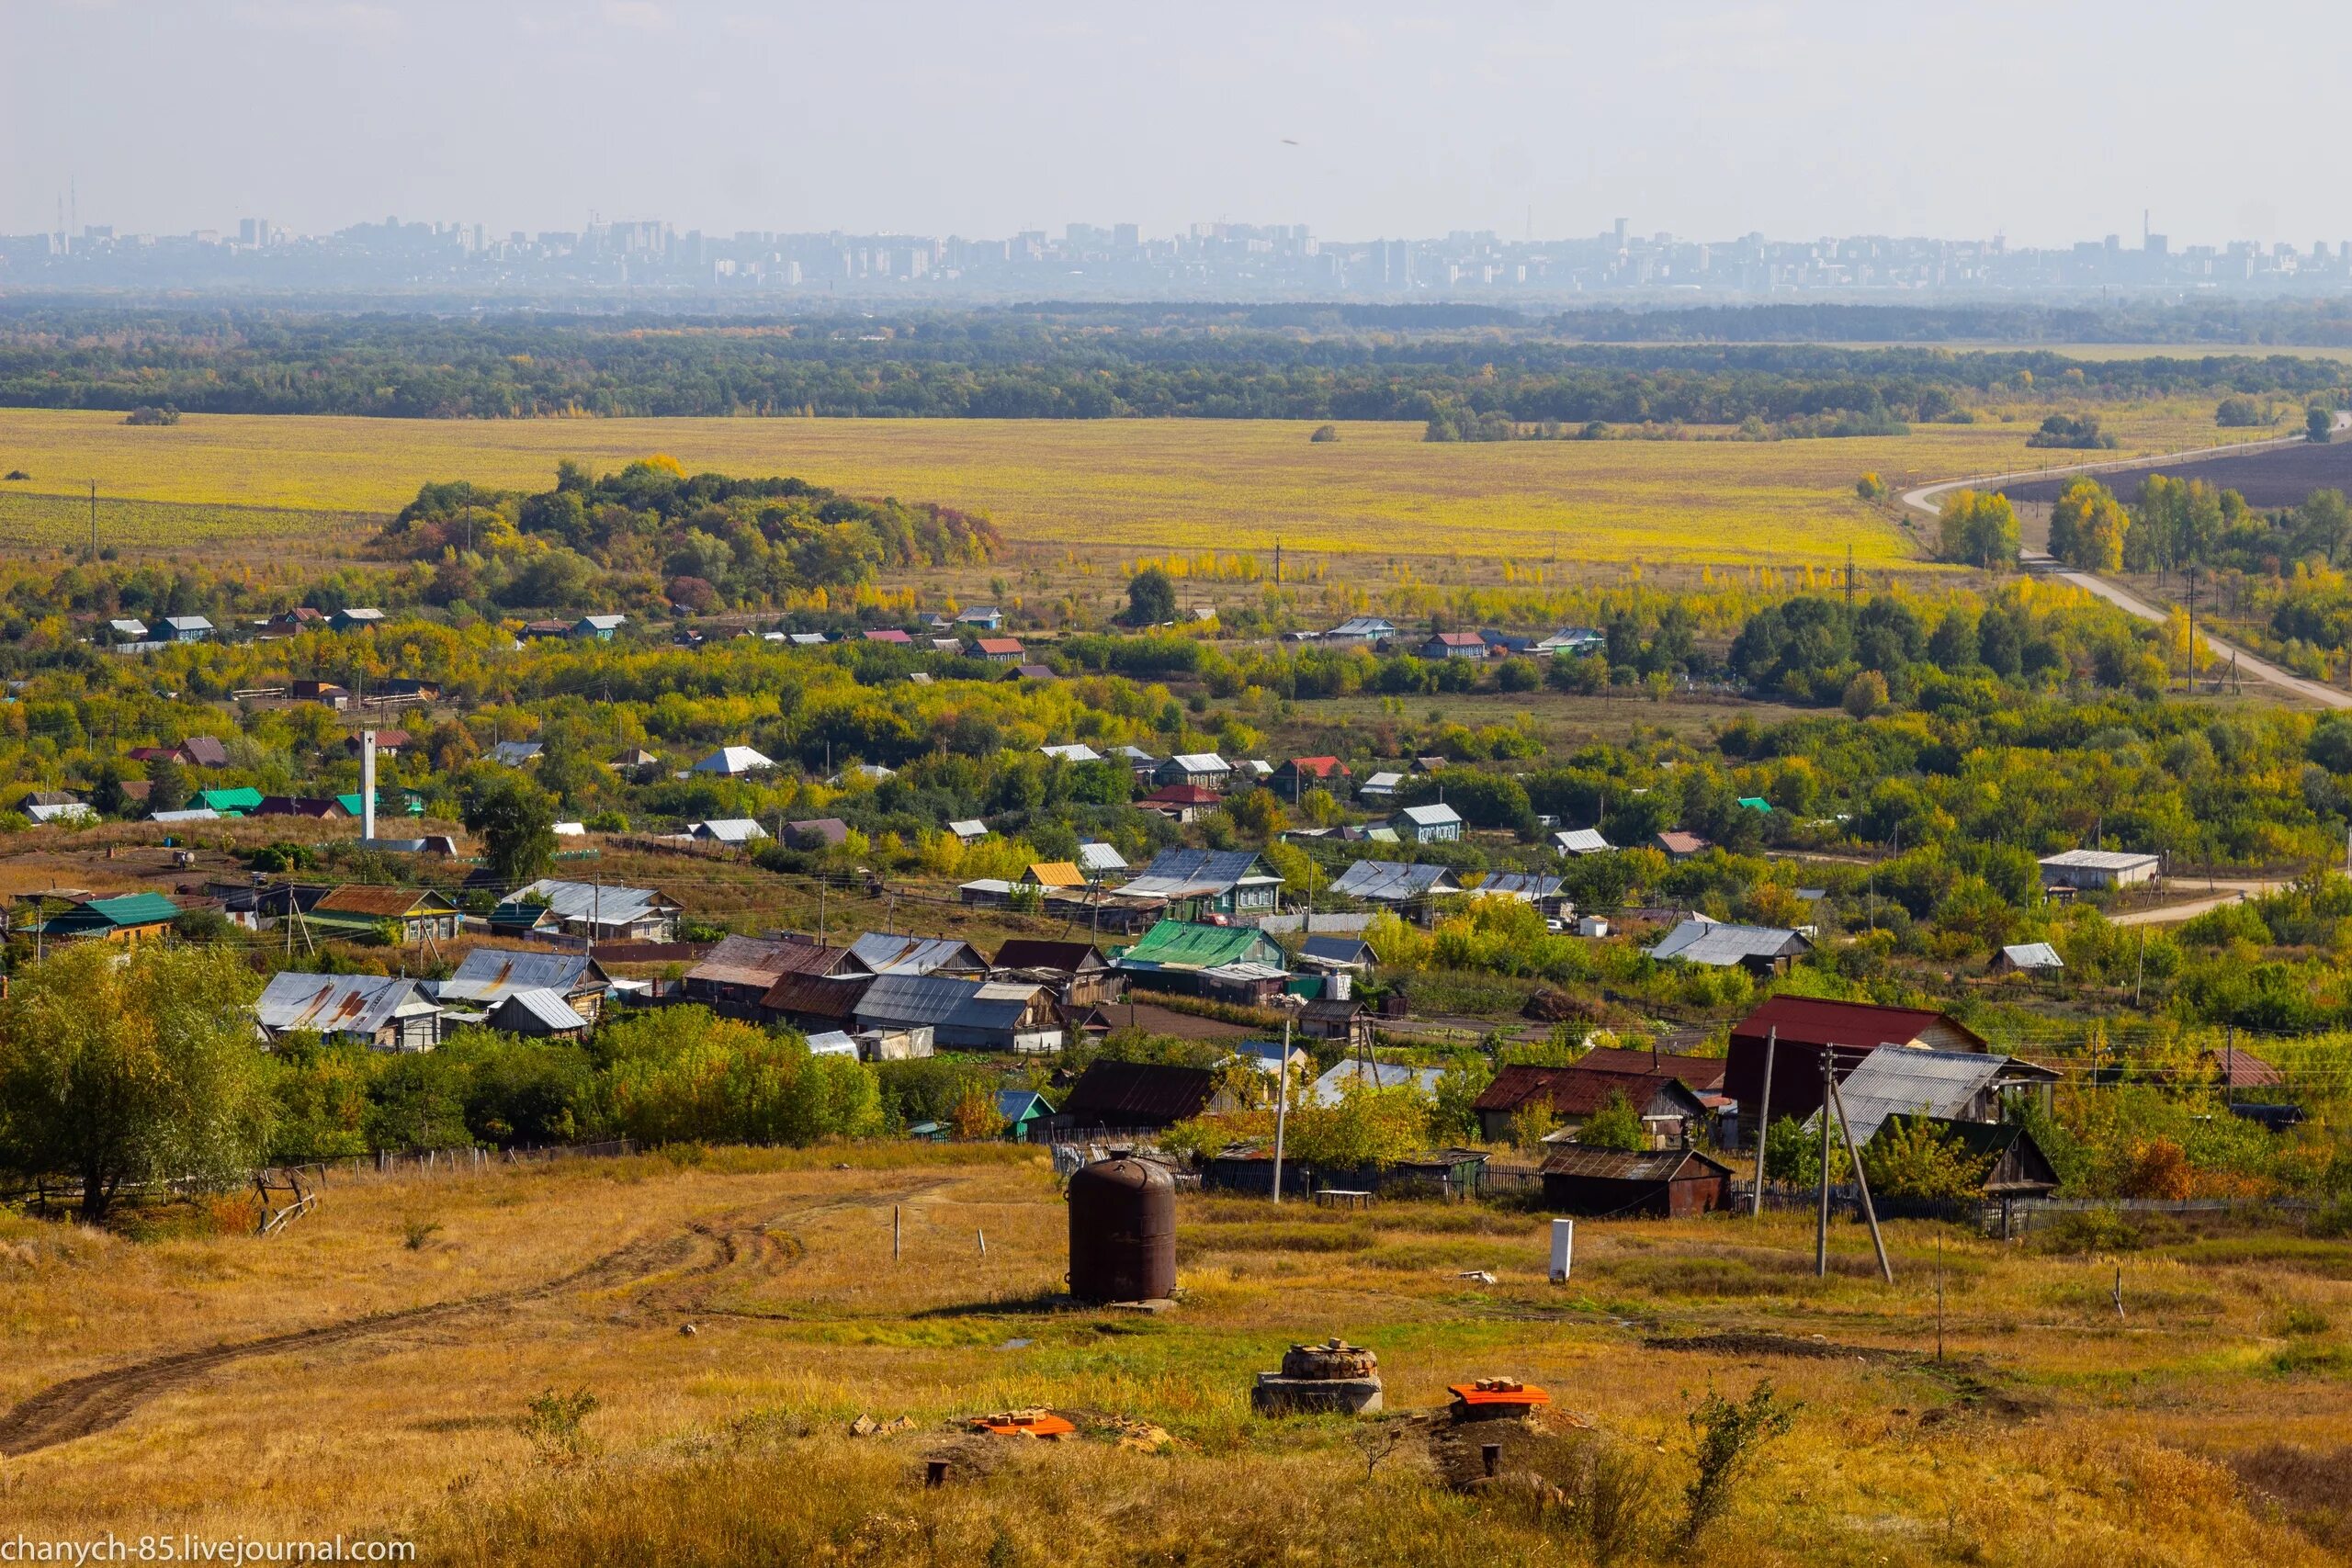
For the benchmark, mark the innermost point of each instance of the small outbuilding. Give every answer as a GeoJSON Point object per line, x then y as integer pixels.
{"type": "Point", "coordinates": [1666, 1184]}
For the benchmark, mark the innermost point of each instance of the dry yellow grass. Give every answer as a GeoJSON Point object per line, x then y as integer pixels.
{"type": "Point", "coordinates": [2055, 1435]}
{"type": "Point", "coordinates": [1133, 485]}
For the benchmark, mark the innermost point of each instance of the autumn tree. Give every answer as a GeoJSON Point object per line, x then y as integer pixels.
{"type": "Point", "coordinates": [1979, 529]}
{"type": "Point", "coordinates": [126, 1069]}
{"type": "Point", "coordinates": [2087, 526]}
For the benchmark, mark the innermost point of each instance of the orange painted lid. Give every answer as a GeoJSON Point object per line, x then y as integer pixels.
{"type": "Point", "coordinates": [1026, 1424]}
{"type": "Point", "coordinates": [1526, 1393]}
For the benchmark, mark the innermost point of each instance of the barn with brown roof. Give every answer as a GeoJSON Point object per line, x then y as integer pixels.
{"type": "Point", "coordinates": [1666, 1184]}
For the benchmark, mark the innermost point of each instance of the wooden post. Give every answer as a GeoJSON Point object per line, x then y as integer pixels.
{"type": "Point", "coordinates": [895, 1232]}
{"type": "Point", "coordinates": [1764, 1117]}
{"type": "Point", "coordinates": [934, 1473]}
{"type": "Point", "coordinates": [1490, 1455]}
{"type": "Point", "coordinates": [984, 1243]}
{"type": "Point", "coordinates": [1862, 1182]}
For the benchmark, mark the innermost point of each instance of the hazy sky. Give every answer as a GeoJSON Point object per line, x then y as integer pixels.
{"type": "Point", "coordinates": [2048, 120]}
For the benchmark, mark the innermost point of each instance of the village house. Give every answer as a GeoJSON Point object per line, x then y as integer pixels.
{"type": "Point", "coordinates": [380, 1011]}
{"type": "Point", "coordinates": [733, 762]}
{"type": "Point", "coordinates": [734, 978]}
{"type": "Point", "coordinates": [1207, 882]}
{"type": "Point", "coordinates": [1202, 770]}
{"type": "Point", "coordinates": [416, 916]}
{"type": "Point", "coordinates": [1180, 803]}
{"type": "Point", "coordinates": [1299, 775]}
{"type": "Point", "coordinates": [1796, 1031]}
{"type": "Point", "coordinates": [1395, 882]}
{"type": "Point", "coordinates": [130, 919]}
{"type": "Point", "coordinates": [1434, 824]}
{"type": "Point", "coordinates": [592, 911]}
{"type": "Point", "coordinates": [1230, 962]}
{"type": "Point", "coordinates": [1762, 950]}
{"type": "Point", "coordinates": [537, 1015]}
{"type": "Point", "coordinates": [488, 975]}
{"type": "Point", "coordinates": [972, 1015]}
{"type": "Point", "coordinates": [890, 955]}
{"type": "Point", "coordinates": [1079, 976]}
{"type": "Point", "coordinates": [1454, 644]}
{"type": "Point", "coordinates": [1668, 1111]}
{"type": "Point", "coordinates": [999, 650]}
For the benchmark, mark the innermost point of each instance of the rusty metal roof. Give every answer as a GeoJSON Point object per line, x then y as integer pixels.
{"type": "Point", "coordinates": [389, 903]}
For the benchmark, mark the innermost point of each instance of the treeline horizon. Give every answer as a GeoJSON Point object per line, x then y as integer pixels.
{"type": "Point", "coordinates": [1403, 363]}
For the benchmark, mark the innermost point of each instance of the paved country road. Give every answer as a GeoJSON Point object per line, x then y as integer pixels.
{"type": "Point", "coordinates": [1927, 500]}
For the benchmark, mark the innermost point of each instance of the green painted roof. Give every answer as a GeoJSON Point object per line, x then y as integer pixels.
{"type": "Point", "coordinates": [1185, 944]}
{"type": "Point", "coordinates": [226, 800]}
{"type": "Point", "coordinates": [386, 800]}
{"type": "Point", "coordinates": [130, 910]}
{"type": "Point", "coordinates": [1756, 802]}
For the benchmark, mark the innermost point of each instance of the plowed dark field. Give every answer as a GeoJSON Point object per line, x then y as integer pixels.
{"type": "Point", "coordinates": [2275, 476]}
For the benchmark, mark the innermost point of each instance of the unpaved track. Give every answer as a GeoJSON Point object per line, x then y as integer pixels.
{"type": "Point", "coordinates": [82, 1406]}
{"type": "Point", "coordinates": [1926, 499]}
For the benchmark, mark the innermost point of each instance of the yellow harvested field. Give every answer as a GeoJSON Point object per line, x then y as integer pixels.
{"type": "Point", "coordinates": [1123, 485]}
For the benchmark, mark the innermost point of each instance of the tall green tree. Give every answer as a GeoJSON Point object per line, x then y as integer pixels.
{"type": "Point", "coordinates": [120, 1071]}
{"type": "Point", "coordinates": [517, 820]}
{"type": "Point", "coordinates": [1151, 597]}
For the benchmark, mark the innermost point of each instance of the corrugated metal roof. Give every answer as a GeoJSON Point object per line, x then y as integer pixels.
{"type": "Point", "coordinates": [915, 954]}
{"type": "Point", "coordinates": [132, 910]}
{"type": "Point", "coordinates": [1192, 873]}
{"type": "Point", "coordinates": [733, 759]}
{"type": "Point", "coordinates": [729, 829]}
{"type": "Point", "coordinates": [1100, 857]}
{"type": "Point", "coordinates": [607, 903]}
{"type": "Point", "coordinates": [906, 1001]}
{"type": "Point", "coordinates": [1613, 1165]}
{"type": "Point", "coordinates": [1898, 1080]}
{"type": "Point", "coordinates": [751, 961]}
{"type": "Point", "coordinates": [1720, 944]}
{"type": "Point", "coordinates": [1528, 886]}
{"type": "Point", "coordinates": [1581, 841]}
{"type": "Point", "coordinates": [2100, 859]}
{"type": "Point", "coordinates": [817, 996]}
{"type": "Point", "coordinates": [1200, 763]}
{"type": "Point", "coordinates": [1438, 816]}
{"type": "Point", "coordinates": [1391, 880]}
{"type": "Point", "coordinates": [1332, 1087]}
{"type": "Point", "coordinates": [548, 1007]}
{"type": "Point", "coordinates": [333, 1004]}
{"type": "Point", "coordinates": [831, 1043]}
{"type": "Point", "coordinates": [1074, 753]}
{"type": "Point", "coordinates": [1337, 949]}
{"type": "Point", "coordinates": [491, 973]}
{"type": "Point", "coordinates": [2033, 956]}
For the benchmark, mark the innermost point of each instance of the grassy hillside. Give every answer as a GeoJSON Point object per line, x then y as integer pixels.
{"type": "Point", "coordinates": [2194, 1430]}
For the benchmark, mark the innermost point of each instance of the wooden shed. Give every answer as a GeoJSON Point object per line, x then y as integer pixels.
{"type": "Point", "coordinates": [1670, 1184]}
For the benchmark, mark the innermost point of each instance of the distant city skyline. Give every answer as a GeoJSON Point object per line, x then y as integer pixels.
{"type": "Point", "coordinates": [1364, 120]}
{"type": "Point", "coordinates": [1127, 261]}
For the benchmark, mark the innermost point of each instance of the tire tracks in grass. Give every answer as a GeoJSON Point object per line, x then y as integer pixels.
{"type": "Point", "coordinates": [85, 1405]}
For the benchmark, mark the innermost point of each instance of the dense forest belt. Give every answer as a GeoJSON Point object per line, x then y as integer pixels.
{"type": "Point", "coordinates": [1036, 363]}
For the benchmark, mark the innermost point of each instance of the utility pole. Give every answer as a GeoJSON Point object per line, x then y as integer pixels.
{"type": "Point", "coordinates": [1764, 1117]}
{"type": "Point", "coordinates": [1821, 1225]}
{"type": "Point", "coordinates": [1282, 1105]}
{"type": "Point", "coordinates": [94, 519]}
{"type": "Point", "coordinates": [1849, 582]}
{"type": "Point", "coordinates": [1862, 1181]}
{"type": "Point", "coordinates": [2192, 629]}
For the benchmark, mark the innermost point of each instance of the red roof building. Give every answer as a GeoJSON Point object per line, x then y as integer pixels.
{"type": "Point", "coordinates": [1801, 1028]}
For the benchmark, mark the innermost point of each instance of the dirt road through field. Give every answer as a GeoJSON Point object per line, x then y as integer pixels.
{"type": "Point", "coordinates": [1926, 500]}
{"type": "Point", "coordinates": [707, 1250]}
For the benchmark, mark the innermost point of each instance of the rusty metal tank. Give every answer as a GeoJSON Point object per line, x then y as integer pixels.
{"type": "Point", "coordinates": [1122, 1232]}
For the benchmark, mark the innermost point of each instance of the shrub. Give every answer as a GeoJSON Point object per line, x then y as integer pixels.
{"type": "Point", "coordinates": [1325, 432]}
{"type": "Point", "coordinates": [1728, 1434]}
{"type": "Point", "coordinates": [552, 1425]}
